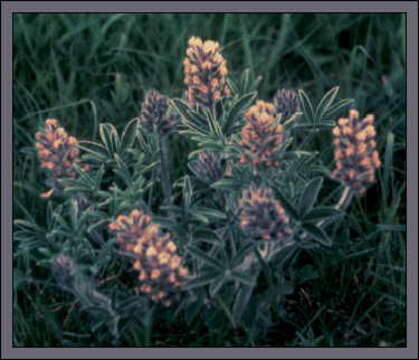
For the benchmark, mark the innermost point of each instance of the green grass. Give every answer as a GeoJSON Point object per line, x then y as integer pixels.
{"type": "Point", "coordinates": [85, 69]}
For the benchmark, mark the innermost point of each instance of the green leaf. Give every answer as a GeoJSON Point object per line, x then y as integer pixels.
{"type": "Point", "coordinates": [339, 105]}
{"type": "Point", "coordinates": [325, 103]}
{"type": "Point", "coordinates": [200, 217]}
{"type": "Point", "coordinates": [217, 284]}
{"type": "Point", "coordinates": [99, 177]}
{"type": "Point", "coordinates": [27, 224]}
{"type": "Point", "coordinates": [321, 213]}
{"type": "Point", "coordinates": [391, 227]}
{"type": "Point", "coordinates": [317, 233]}
{"type": "Point", "coordinates": [233, 86]}
{"type": "Point", "coordinates": [241, 254]}
{"type": "Point", "coordinates": [309, 195]}
{"type": "Point", "coordinates": [306, 105]}
{"type": "Point", "coordinates": [97, 151]}
{"type": "Point", "coordinates": [96, 225]}
{"type": "Point", "coordinates": [109, 137]}
{"type": "Point", "coordinates": [225, 184]}
{"type": "Point", "coordinates": [227, 311]}
{"type": "Point", "coordinates": [129, 134]}
{"type": "Point", "coordinates": [187, 192]}
{"type": "Point", "coordinates": [240, 303]}
{"type": "Point", "coordinates": [74, 214]}
{"type": "Point", "coordinates": [200, 281]}
{"type": "Point", "coordinates": [237, 110]}
{"type": "Point", "coordinates": [289, 208]}
{"type": "Point", "coordinates": [210, 213]}
{"type": "Point", "coordinates": [214, 263]}
{"type": "Point", "coordinates": [284, 256]}
{"type": "Point", "coordinates": [242, 278]}
{"type": "Point", "coordinates": [190, 118]}
{"type": "Point", "coordinates": [193, 310]}
{"type": "Point", "coordinates": [245, 80]}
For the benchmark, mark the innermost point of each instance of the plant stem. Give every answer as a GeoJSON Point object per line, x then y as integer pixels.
{"type": "Point", "coordinates": [344, 201]}
{"type": "Point", "coordinates": [164, 165]}
{"type": "Point", "coordinates": [342, 204]}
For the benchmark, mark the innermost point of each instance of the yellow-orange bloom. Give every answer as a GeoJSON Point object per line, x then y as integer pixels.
{"type": "Point", "coordinates": [205, 71]}
{"type": "Point", "coordinates": [58, 153]}
{"type": "Point", "coordinates": [355, 153]}
{"type": "Point", "coordinates": [161, 270]}
{"type": "Point", "coordinates": [261, 136]}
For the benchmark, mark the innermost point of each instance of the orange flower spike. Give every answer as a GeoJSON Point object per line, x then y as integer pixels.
{"type": "Point", "coordinates": [205, 72]}
{"type": "Point", "coordinates": [57, 151]}
{"type": "Point", "coordinates": [355, 151]}
{"type": "Point", "coordinates": [261, 136]}
{"type": "Point", "coordinates": [154, 255]}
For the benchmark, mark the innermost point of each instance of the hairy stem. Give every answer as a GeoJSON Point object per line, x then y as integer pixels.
{"type": "Point", "coordinates": [344, 201]}
{"type": "Point", "coordinates": [164, 166]}
{"type": "Point", "coordinates": [342, 204]}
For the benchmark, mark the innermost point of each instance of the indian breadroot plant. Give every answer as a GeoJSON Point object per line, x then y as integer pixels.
{"type": "Point", "coordinates": [139, 243]}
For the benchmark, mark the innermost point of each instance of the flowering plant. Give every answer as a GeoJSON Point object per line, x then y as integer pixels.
{"type": "Point", "coordinates": [213, 242]}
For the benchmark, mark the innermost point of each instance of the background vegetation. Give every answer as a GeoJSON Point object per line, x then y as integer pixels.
{"type": "Point", "coordinates": [89, 68]}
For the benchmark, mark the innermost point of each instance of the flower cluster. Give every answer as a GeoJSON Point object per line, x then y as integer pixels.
{"type": "Point", "coordinates": [261, 136]}
{"type": "Point", "coordinates": [154, 114]}
{"type": "Point", "coordinates": [205, 72]}
{"type": "Point", "coordinates": [286, 103]}
{"type": "Point", "coordinates": [262, 215]}
{"type": "Point", "coordinates": [58, 153]}
{"type": "Point", "coordinates": [355, 151]}
{"type": "Point", "coordinates": [160, 267]}
{"type": "Point", "coordinates": [208, 167]}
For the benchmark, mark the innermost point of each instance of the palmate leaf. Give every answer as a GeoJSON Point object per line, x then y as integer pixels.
{"type": "Point", "coordinates": [191, 119]}
{"type": "Point", "coordinates": [309, 195]}
{"type": "Point", "coordinates": [317, 233]}
{"type": "Point", "coordinates": [316, 118]}
{"type": "Point", "coordinates": [110, 138]}
{"type": "Point", "coordinates": [217, 284]}
{"type": "Point", "coordinates": [306, 106]}
{"type": "Point", "coordinates": [241, 301]}
{"type": "Point", "coordinates": [233, 86]}
{"type": "Point", "coordinates": [241, 254]}
{"type": "Point", "coordinates": [96, 151]}
{"type": "Point", "coordinates": [238, 107]}
{"type": "Point", "coordinates": [289, 208]}
{"type": "Point", "coordinates": [248, 83]}
{"type": "Point", "coordinates": [206, 259]}
{"type": "Point", "coordinates": [325, 103]}
{"type": "Point", "coordinates": [129, 134]}
{"type": "Point", "coordinates": [227, 312]}
{"type": "Point", "coordinates": [200, 281]}
{"type": "Point", "coordinates": [244, 279]}
{"type": "Point", "coordinates": [245, 84]}
{"type": "Point", "coordinates": [336, 107]}
{"type": "Point", "coordinates": [322, 213]}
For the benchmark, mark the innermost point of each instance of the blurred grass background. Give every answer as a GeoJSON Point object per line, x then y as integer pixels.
{"type": "Point", "coordinates": [89, 68]}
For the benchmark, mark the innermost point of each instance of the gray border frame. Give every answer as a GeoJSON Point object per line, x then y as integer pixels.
{"type": "Point", "coordinates": [408, 7]}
